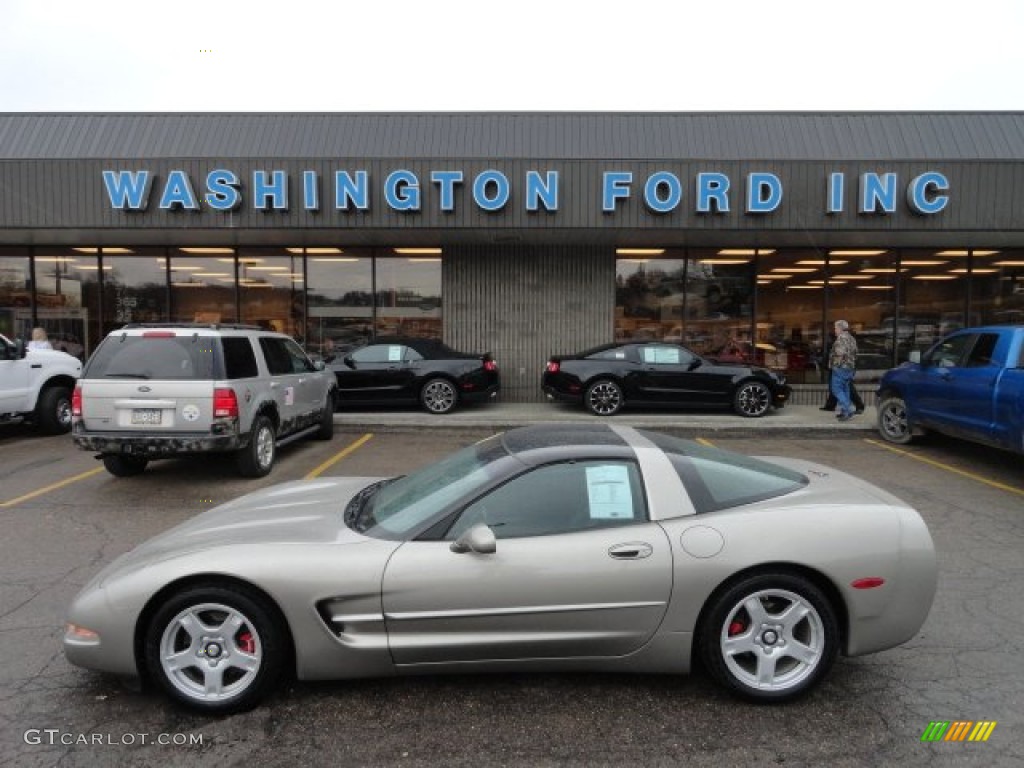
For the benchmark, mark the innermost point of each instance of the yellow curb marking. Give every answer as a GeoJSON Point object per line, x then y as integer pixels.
{"type": "Point", "coordinates": [704, 441]}
{"type": "Point", "coordinates": [53, 487]}
{"type": "Point", "coordinates": [339, 456]}
{"type": "Point", "coordinates": [947, 467]}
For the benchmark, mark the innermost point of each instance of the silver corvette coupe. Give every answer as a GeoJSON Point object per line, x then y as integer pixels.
{"type": "Point", "coordinates": [586, 547]}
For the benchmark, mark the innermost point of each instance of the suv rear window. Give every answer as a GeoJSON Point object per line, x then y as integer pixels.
{"type": "Point", "coordinates": [156, 357]}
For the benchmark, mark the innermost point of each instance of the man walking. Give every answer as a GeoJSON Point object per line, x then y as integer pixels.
{"type": "Point", "coordinates": [843, 362]}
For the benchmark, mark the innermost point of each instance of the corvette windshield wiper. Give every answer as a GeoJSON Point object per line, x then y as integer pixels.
{"type": "Point", "coordinates": [355, 507]}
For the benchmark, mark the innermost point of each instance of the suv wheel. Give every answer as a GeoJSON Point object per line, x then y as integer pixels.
{"type": "Point", "coordinates": [53, 411]}
{"type": "Point", "coordinates": [124, 466]}
{"type": "Point", "coordinates": [326, 431]}
{"type": "Point", "coordinates": [257, 458]}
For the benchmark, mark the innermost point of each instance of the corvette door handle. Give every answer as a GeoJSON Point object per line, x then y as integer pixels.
{"type": "Point", "coordinates": [634, 550]}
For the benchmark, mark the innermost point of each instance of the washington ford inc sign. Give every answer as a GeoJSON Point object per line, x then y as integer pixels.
{"type": "Point", "coordinates": [662, 191]}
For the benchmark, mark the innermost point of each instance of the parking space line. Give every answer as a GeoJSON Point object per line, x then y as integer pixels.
{"type": "Point", "coordinates": [947, 467]}
{"type": "Point", "coordinates": [52, 487]}
{"type": "Point", "coordinates": [339, 456]}
{"type": "Point", "coordinates": [705, 441]}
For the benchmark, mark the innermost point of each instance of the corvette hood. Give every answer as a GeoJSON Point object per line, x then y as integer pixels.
{"type": "Point", "coordinates": [303, 511]}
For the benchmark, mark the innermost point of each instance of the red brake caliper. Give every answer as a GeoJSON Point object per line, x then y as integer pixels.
{"type": "Point", "coordinates": [247, 642]}
{"type": "Point", "coordinates": [736, 628]}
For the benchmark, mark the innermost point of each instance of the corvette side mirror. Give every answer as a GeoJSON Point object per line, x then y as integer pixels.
{"type": "Point", "coordinates": [479, 539]}
{"type": "Point", "coordinates": [349, 361]}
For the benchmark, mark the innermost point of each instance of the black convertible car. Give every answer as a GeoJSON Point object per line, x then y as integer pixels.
{"type": "Point", "coordinates": [659, 373]}
{"type": "Point", "coordinates": [398, 370]}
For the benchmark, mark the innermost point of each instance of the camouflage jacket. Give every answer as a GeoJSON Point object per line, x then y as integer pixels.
{"type": "Point", "coordinates": [844, 352]}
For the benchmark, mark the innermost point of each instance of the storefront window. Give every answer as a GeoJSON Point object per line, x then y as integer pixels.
{"type": "Point", "coordinates": [408, 292]}
{"type": "Point", "coordinates": [67, 298]}
{"type": "Point", "coordinates": [934, 288]}
{"type": "Point", "coordinates": [15, 294]}
{"type": "Point", "coordinates": [134, 286]}
{"type": "Point", "coordinates": [790, 293]}
{"type": "Point", "coordinates": [271, 285]}
{"type": "Point", "coordinates": [997, 286]}
{"type": "Point", "coordinates": [203, 285]}
{"type": "Point", "coordinates": [650, 300]}
{"type": "Point", "coordinates": [340, 300]}
{"type": "Point", "coordinates": [862, 291]}
{"type": "Point", "coordinates": [720, 287]}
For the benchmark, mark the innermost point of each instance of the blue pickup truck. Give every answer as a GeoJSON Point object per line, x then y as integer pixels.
{"type": "Point", "coordinates": [969, 385]}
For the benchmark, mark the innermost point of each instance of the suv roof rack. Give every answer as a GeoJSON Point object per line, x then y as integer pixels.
{"type": "Point", "coordinates": [209, 326]}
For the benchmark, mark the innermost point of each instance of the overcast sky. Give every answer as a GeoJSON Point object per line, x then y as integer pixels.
{"type": "Point", "coordinates": [518, 55]}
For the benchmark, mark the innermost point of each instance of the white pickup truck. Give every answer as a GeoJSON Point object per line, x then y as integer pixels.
{"type": "Point", "coordinates": [36, 386]}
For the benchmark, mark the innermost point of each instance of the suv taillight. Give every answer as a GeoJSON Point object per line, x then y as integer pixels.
{"type": "Point", "coordinates": [553, 366]}
{"type": "Point", "coordinates": [225, 404]}
{"type": "Point", "coordinates": [76, 403]}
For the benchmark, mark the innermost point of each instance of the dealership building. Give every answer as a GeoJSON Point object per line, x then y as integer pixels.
{"type": "Point", "coordinates": [741, 235]}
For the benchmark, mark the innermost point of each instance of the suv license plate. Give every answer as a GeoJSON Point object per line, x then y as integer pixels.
{"type": "Point", "coordinates": [146, 416]}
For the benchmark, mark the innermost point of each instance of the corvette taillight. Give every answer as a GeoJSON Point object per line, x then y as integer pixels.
{"type": "Point", "coordinates": [76, 402]}
{"type": "Point", "coordinates": [553, 366]}
{"type": "Point", "coordinates": [225, 404]}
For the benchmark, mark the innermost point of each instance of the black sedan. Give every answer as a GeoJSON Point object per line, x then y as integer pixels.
{"type": "Point", "coordinates": [659, 373]}
{"type": "Point", "coordinates": [399, 370]}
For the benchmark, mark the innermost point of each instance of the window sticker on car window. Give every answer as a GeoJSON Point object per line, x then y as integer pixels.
{"type": "Point", "coordinates": [394, 354]}
{"type": "Point", "coordinates": [620, 355]}
{"type": "Point", "coordinates": [608, 493]}
{"type": "Point", "coordinates": [289, 396]}
{"type": "Point", "coordinates": [661, 355]}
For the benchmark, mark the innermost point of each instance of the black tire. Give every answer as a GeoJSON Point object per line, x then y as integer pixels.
{"type": "Point", "coordinates": [53, 411]}
{"type": "Point", "coordinates": [752, 399]}
{"type": "Point", "coordinates": [893, 425]}
{"type": "Point", "coordinates": [124, 466]}
{"type": "Point", "coordinates": [257, 458]}
{"type": "Point", "coordinates": [439, 396]}
{"type": "Point", "coordinates": [326, 431]}
{"type": "Point", "coordinates": [233, 657]}
{"type": "Point", "coordinates": [770, 657]}
{"type": "Point", "coordinates": [604, 398]}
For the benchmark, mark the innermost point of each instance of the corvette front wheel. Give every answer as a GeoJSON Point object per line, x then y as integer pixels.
{"type": "Point", "coordinates": [216, 649]}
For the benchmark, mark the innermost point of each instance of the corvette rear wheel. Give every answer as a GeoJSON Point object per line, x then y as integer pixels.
{"type": "Point", "coordinates": [770, 637]}
{"type": "Point", "coordinates": [604, 398]}
{"type": "Point", "coordinates": [892, 421]}
{"type": "Point", "coordinates": [752, 399]}
{"type": "Point", "coordinates": [216, 649]}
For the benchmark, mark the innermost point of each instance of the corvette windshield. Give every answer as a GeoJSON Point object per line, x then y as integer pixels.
{"type": "Point", "coordinates": [396, 509]}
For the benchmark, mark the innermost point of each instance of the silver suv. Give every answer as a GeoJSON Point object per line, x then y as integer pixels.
{"type": "Point", "coordinates": [163, 390]}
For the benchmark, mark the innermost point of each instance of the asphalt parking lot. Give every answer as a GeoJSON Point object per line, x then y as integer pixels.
{"type": "Point", "coordinates": [63, 517]}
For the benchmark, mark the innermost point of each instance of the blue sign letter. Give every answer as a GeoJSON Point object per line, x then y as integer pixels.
{"type": "Point", "coordinates": [541, 191]}
{"type": "Point", "coordinates": [501, 190]}
{"type": "Point", "coordinates": [674, 192]}
{"type": "Point", "coordinates": [616, 187]}
{"type": "Point", "coordinates": [878, 190]}
{"type": "Point", "coordinates": [712, 186]}
{"type": "Point", "coordinates": [310, 191]}
{"type": "Point", "coordinates": [263, 190]}
{"type": "Point", "coordinates": [764, 192]}
{"type": "Point", "coordinates": [835, 193]}
{"type": "Point", "coordinates": [222, 190]}
{"type": "Point", "coordinates": [446, 181]}
{"type": "Point", "coordinates": [178, 192]}
{"type": "Point", "coordinates": [346, 190]}
{"type": "Point", "coordinates": [402, 191]}
{"type": "Point", "coordinates": [921, 187]}
{"type": "Point", "coordinates": [127, 190]}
